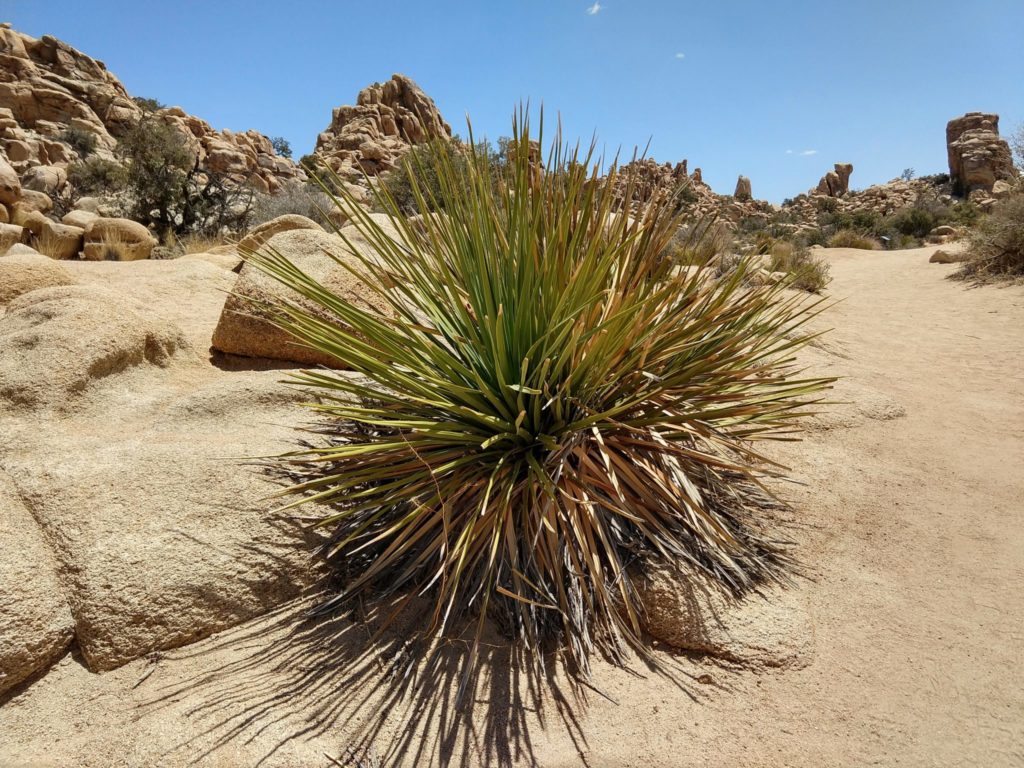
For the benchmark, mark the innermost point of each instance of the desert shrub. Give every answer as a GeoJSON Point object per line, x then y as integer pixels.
{"type": "Point", "coordinates": [698, 242]}
{"type": "Point", "coordinates": [546, 409]}
{"type": "Point", "coordinates": [157, 161]}
{"type": "Point", "coordinates": [962, 213]}
{"type": "Point", "coordinates": [114, 246]}
{"type": "Point", "coordinates": [848, 238]}
{"type": "Point", "coordinates": [763, 243]}
{"type": "Point", "coordinates": [83, 142]}
{"type": "Point", "coordinates": [97, 176]}
{"type": "Point", "coordinates": [306, 199]}
{"type": "Point", "coordinates": [864, 220]}
{"type": "Point", "coordinates": [417, 171]}
{"type": "Point", "coordinates": [806, 272]}
{"type": "Point", "coordinates": [936, 179]}
{"type": "Point", "coordinates": [816, 236]}
{"type": "Point", "coordinates": [281, 146]}
{"type": "Point", "coordinates": [194, 243]}
{"type": "Point", "coordinates": [996, 245]}
{"type": "Point", "coordinates": [171, 192]}
{"type": "Point", "coordinates": [148, 105]}
{"type": "Point", "coordinates": [826, 204]}
{"type": "Point", "coordinates": [914, 221]}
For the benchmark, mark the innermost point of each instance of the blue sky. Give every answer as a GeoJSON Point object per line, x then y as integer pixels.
{"type": "Point", "coordinates": [777, 90]}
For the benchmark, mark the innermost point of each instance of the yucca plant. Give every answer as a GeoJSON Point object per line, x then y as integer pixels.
{"type": "Point", "coordinates": [552, 407]}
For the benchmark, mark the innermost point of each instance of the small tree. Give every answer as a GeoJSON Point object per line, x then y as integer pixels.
{"type": "Point", "coordinates": [148, 105]}
{"type": "Point", "coordinates": [1017, 145]}
{"type": "Point", "coordinates": [171, 191]}
{"type": "Point", "coordinates": [908, 174]}
{"type": "Point", "coordinates": [157, 161]}
{"type": "Point", "coordinates": [281, 146]}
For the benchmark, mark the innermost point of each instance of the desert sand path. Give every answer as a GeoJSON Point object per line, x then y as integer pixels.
{"type": "Point", "coordinates": [912, 523]}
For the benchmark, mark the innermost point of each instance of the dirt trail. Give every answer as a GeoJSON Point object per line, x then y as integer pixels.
{"type": "Point", "coordinates": [914, 530]}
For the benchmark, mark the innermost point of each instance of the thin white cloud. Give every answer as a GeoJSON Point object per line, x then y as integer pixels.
{"type": "Point", "coordinates": [802, 152]}
{"type": "Point", "coordinates": [680, 55]}
{"type": "Point", "coordinates": [594, 9]}
{"type": "Point", "coordinates": [789, 151]}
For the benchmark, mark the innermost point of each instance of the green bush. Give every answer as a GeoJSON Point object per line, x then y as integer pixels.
{"type": "Point", "coordinates": [826, 204]}
{"type": "Point", "coordinates": [420, 163]}
{"type": "Point", "coordinates": [97, 176]}
{"type": "Point", "coordinates": [698, 242]}
{"type": "Point", "coordinates": [281, 146]}
{"type": "Point", "coordinates": [148, 105]}
{"type": "Point", "coordinates": [914, 221]}
{"type": "Point", "coordinates": [848, 238]}
{"type": "Point", "coordinates": [83, 142]}
{"type": "Point", "coordinates": [544, 409]}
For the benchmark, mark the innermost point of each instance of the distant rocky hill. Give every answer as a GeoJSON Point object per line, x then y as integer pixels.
{"type": "Point", "coordinates": [386, 120]}
{"type": "Point", "coordinates": [57, 104]}
{"type": "Point", "coordinates": [49, 92]}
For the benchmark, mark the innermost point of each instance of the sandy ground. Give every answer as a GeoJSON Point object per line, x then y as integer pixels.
{"type": "Point", "coordinates": [912, 527]}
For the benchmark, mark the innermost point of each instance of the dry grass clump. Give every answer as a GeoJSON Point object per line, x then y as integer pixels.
{"type": "Point", "coordinates": [302, 198]}
{"type": "Point", "coordinates": [806, 272]}
{"type": "Point", "coordinates": [553, 407]}
{"type": "Point", "coordinates": [996, 245]}
{"type": "Point", "coordinates": [48, 245]}
{"type": "Point", "coordinates": [849, 238]}
{"type": "Point", "coordinates": [198, 243]}
{"type": "Point", "coordinates": [115, 247]}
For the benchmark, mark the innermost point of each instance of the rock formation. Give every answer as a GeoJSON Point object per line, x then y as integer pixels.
{"type": "Point", "coordinates": [807, 210]}
{"type": "Point", "coordinates": [48, 87]}
{"type": "Point", "coordinates": [836, 183]}
{"type": "Point", "coordinates": [386, 120]}
{"type": "Point", "coordinates": [247, 324]}
{"type": "Point", "coordinates": [978, 157]}
{"type": "Point", "coordinates": [742, 189]}
{"type": "Point", "coordinates": [55, 101]}
{"type": "Point", "coordinates": [703, 202]}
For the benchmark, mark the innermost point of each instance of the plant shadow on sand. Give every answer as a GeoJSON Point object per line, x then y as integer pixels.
{"type": "Point", "coordinates": [294, 677]}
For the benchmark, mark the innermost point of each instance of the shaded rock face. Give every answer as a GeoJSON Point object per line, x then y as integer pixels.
{"type": "Point", "coordinates": [247, 326]}
{"type": "Point", "coordinates": [386, 120]}
{"type": "Point", "coordinates": [978, 157]}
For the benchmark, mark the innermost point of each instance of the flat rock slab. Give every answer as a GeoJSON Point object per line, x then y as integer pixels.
{"type": "Point", "coordinates": [27, 272]}
{"type": "Point", "coordinates": [162, 536]}
{"type": "Point", "coordinates": [768, 630]}
{"type": "Point", "coordinates": [35, 621]}
{"type": "Point", "coordinates": [57, 342]}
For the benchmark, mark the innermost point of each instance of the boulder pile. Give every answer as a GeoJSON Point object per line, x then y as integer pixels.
{"type": "Point", "coordinates": [387, 119]}
{"type": "Point", "coordinates": [651, 177]}
{"type": "Point", "coordinates": [58, 105]}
